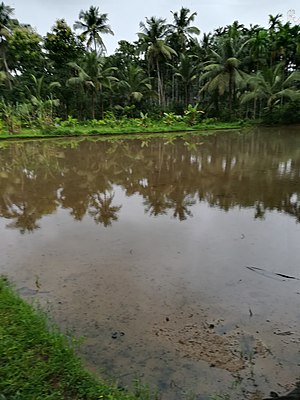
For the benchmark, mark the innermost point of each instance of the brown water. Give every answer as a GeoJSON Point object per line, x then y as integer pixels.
{"type": "Point", "coordinates": [142, 247]}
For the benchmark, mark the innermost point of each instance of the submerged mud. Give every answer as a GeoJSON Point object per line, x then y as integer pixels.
{"type": "Point", "coordinates": [144, 249]}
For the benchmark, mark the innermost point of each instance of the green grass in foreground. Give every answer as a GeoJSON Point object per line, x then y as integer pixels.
{"type": "Point", "coordinates": [39, 363]}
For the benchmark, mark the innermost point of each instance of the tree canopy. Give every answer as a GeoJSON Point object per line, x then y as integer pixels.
{"type": "Point", "coordinates": [234, 72]}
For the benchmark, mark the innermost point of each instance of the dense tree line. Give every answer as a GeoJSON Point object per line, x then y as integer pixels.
{"type": "Point", "coordinates": [233, 73]}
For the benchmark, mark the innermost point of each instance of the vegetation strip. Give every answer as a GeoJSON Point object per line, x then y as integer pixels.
{"type": "Point", "coordinates": [38, 362]}
{"type": "Point", "coordinates": [154, 129]}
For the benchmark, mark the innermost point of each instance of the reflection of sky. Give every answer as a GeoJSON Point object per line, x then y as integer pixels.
{"type": "Point", "coordinates": [285, 167]}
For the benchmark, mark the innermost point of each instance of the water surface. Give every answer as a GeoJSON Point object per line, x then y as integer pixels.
{"type": "Point", "coordinates": [142, 247]}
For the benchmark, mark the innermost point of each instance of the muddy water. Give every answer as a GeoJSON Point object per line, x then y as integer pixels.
{"type": "Point", "coordinates": [143, 247]}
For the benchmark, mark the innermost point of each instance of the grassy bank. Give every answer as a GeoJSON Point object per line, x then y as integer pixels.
{"type": "Point", "coordinates": [38, 363]}
{"type": "Point", "coordinates": [118, 127]}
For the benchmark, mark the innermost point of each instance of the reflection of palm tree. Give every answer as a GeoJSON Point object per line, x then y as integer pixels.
{"type": "Point", "coordinates": [38, 178]}
{"type": "Point", "coordinates": [101, 209]}
{"type": "Point", "coordinates": [180, 205]}
{"type": "Point", "coordinates": [156, 204]}
{"type": "Point", "coordinates": [25, 219]}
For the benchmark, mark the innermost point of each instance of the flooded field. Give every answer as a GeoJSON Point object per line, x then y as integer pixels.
{"type": "Point", "coordinates": [177, 259]}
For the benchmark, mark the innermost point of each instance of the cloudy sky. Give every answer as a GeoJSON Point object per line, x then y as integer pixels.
{"type": "Point", "coordinates": [125, 15]}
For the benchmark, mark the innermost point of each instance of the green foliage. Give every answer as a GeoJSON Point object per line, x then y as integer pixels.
{"type": "Point", "coordinates": [126, 111]}
{"type": "Point", "coordinates": [70, 122]}
{"type": "Point", "coordinates": [10, 117]}
{"type": "Point", "coordinates": [110, 119]}
{"type": "Point", "coordinates": [25, 113]}
{"type": "Point", "coordinates": [25, 50]}
{"type": "Point", "coordinates": [209, 121]}
{"type": "Point", "coordinates": [111, 125]}
{"type": "Point", "coordinates": [171, 118]}
{"type": "Point", "coordinates": [144, 119]}
{"type": "Point", "coordinates": [192, 115]}
{"type": "Point", "coordinates": [62, 44]}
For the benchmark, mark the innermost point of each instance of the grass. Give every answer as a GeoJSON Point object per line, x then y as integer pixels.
{"type": "Point", "coordinates": [37, 362]}
{"type": "Point", "coordinates": [117, 128]}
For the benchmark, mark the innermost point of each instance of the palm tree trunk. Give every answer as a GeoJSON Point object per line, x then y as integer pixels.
{"type": "Point", "coordinates": [158, 83]}
{"type": "Point", "coordinates": [186, 94]}
{"type": "Point", "coordinates": [163, 95]}
{"type": "Point", "coordinates": [7, 70]}
{"type": "Point", "coordinates": [173, 88]}
{"type": "Point", "coordinates": [254, 108]}
{"type": "Point", "coordinates": [93, 105]}
{"type": "Point", "coordinates": [230, 95]}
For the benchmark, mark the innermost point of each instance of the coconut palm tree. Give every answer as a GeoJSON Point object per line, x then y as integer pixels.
{"type": "Point", "coordinates": [288, 45]}
{"type": "Point", "coordinates": [271, 87]}
{"type": "Point", "coordinates": [258, 45]}
{"type": "Point", "coordinates": [6, 13]}
{"type": "Point", "coordinates": [182, 30]}
{"type": "Point", "coordinates": [187, 72]}
{"type": "Point", "coordinates": [93, 24]}
{"type": "Point", "coordinates": [152, 43]}
{"type": "Point", "coordinates": [133, 84]}
{"type": "Point", "coordinates": [275, 25]}
{"type": "Point", "coordinates": [223, 73]}
{"type": "Point", "coordinates": [275, 22]}
{"type": "Point", "coordinates": [93, 74]}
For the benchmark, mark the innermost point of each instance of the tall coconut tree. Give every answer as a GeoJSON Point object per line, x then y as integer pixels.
{"type": "Point", "coordinates": [274, 27]}
{"type": "Point", "coordinates": [288, 45]}
{"type": "Point", "coordinates": [258, 46]}
{"type": "Point", "coordinates": [93, 24]}
{"type": "Point", "coordinates": [182, 30]}
{"type": "Point", "coordinates": [275, 22]}
{"type": "Point", "coordinates": [152, 43]}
